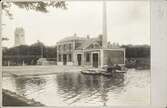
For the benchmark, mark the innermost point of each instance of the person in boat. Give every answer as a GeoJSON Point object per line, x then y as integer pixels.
{"type": "Point", "coordinates": [110, 67]}
{"type": "Point", "coordinates": [117, 67]}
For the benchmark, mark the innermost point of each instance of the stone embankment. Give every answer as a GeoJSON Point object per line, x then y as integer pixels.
{"type": "Point", "coordinates": [13, 99]}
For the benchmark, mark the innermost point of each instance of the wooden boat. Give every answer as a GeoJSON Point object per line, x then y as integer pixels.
{"type": "Point", "coordinates": [97, 71]}
{"type": "Point", "coordinates": [91, 72]}
{"type": "Point", "coordinates": [120, 71]}
{"type": "Point", "coordinates": [114, 73]}
{"type": "Point", "coordinates": [106, 74]}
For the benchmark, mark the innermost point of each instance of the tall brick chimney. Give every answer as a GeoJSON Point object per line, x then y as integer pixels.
{"type": "Point", "coordinates": [104, 40]}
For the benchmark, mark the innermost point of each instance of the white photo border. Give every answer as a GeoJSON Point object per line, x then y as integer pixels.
{"type": "Point", "coordinates": [158, 34]}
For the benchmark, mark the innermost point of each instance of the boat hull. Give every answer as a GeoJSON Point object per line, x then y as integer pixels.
{"type": "Point", "coordinates": [114, 74]}
{"type": "Point", "coordinates": [90, 73]}
{"type": "Point", "coordinates": [104, 72]}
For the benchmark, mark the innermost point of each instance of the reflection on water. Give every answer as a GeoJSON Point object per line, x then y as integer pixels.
{"type": "Point", "coordinates": [83, 90]}
{"type": "Point", "coordinates": [88, 87]}
{"type": "Point", "coordinates": [26, 86]}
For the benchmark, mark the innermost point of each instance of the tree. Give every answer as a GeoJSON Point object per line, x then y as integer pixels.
{"type": "Point", "coordinates": [28, 53]}
{"type": "Point", "coordinates": [137, 51]}
{"type": "Point", "coordinates": [39, 6]}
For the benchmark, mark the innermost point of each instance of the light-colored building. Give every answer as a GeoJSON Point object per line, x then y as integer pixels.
{"type": "Point", "coordinates": [19, 36]}
{"type": "Point", "coordinates": [87, 52]}
{"type": "Point", "coordinates": [90, 52]}
{"type": "Point", "coordinates": [66, 48]}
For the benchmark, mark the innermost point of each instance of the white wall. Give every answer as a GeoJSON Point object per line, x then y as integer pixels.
{"type": "Point", "coordinates": [159, 53]}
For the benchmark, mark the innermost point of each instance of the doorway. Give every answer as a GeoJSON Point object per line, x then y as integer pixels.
{"type": "Point", "coordinates": [95, 60]}
{"type": "Point", "coordinates": [79, 58]}
{"type": "Point", "coordinates": [64, 59]}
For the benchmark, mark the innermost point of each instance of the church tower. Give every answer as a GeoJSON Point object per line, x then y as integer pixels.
{"type": "Point", "coordinates": [19, 36]}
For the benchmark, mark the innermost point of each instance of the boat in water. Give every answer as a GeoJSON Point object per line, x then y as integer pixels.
{"type": "Point", "coordinates": [105, 71]}
{"type": "Point", "coordinates": [115, 74]}
{"type": "Point", "coordinates": [92, 71]}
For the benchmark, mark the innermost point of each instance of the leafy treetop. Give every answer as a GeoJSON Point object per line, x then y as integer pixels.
{"type": "Point", "coordinates": [39, 6]}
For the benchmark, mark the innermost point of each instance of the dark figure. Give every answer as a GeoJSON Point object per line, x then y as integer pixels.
{"type": "Point", "coordinates": [110, 67]}
{"type": "Point", "coordinates": [118, 67]}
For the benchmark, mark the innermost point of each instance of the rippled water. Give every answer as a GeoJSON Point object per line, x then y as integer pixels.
{"type": "Point", "coordinates": [75, 89]}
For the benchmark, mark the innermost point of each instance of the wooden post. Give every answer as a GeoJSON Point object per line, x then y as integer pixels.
{"type": "Point", "coordinates": [57, 53]}
{"type": "Point", "coordinates": [8, 63]}
{"type": "Point", "coordinates": [23, 63]}
{"type": "Point", "coordinates": [102, 57]}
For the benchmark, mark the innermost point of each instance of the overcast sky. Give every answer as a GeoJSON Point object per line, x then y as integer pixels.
{"type": "Point", "coordinates": [128, 22]}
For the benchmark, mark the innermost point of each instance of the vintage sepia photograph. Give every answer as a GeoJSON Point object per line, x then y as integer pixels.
{"type": "Point", "coordinates": [76, 53]}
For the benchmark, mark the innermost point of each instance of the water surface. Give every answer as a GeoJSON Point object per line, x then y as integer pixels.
{"type": "Point", "coordinates": [76, 89]}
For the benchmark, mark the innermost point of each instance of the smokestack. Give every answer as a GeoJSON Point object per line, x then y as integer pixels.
{"type": "Point", "coordinates": [104, 41]}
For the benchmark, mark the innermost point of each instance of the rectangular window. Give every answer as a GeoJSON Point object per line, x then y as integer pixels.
{"type": "Point", "coordinates": [87, 57]}
{"type": "Point", "coordinates": [59, 57]}
{"type": "Point", "coordinates": [70, 58]}
{"type": "Point", "coordinates": [59, 48]}
{"type": "Point", "coordinates": [70, 47]}
{"type": "Point", "coordinates": [64, 47]}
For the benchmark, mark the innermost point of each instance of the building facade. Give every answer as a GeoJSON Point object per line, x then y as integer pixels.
{"type": "Point", "coordinates": [88, 52]}
{"type": "Point", "coordinates": [66, 48]}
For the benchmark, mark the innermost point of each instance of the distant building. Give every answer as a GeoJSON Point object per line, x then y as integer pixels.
{"type": "Point", "coordinates": [88, 51]}
{"type": "Point", "coordinates": [46, 61]}
{"type": "Point", "coordinates": [19, 36]}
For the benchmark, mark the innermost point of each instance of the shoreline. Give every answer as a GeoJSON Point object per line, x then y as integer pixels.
{"type": "Point", "coordinates": [13, 99]}
{"type": "Point", "coordinates": [38, 70]}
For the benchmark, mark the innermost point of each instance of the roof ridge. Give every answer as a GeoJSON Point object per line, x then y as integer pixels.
{"type": "Point", "coordinates": [87, 42]}
{"type": "Point", "coordinates": [71, 38]}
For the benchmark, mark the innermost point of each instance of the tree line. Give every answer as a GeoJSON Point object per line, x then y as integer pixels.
{"type": "Point", "coordinates": [137, 51]}
{"type": "Point", "coordinates": [137, 56]}
{"type": "Point", "coordinates": [31, 53]}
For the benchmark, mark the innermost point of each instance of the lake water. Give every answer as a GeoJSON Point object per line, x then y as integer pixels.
{"type": "Point", "coordinates": [76, 89]}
